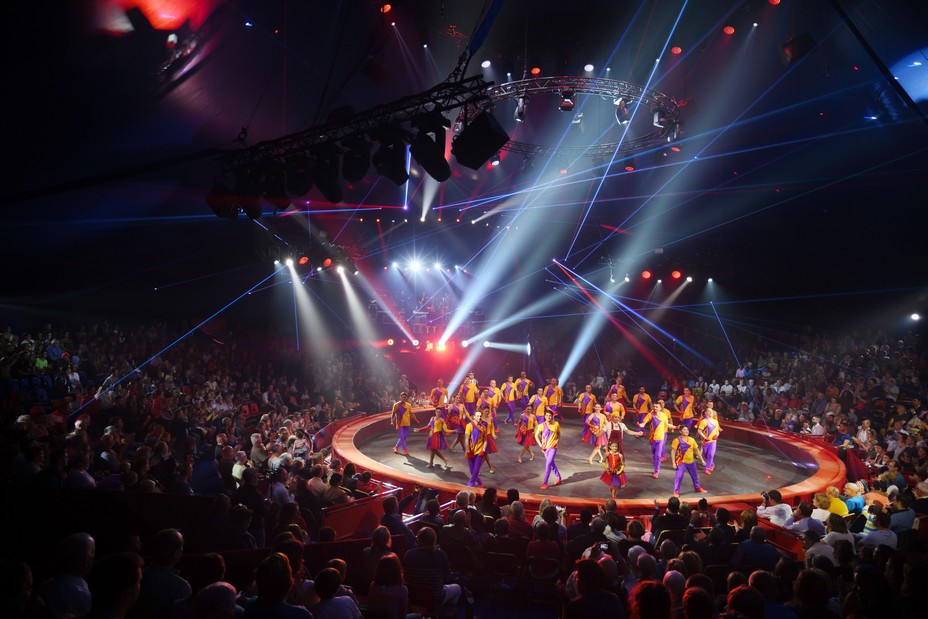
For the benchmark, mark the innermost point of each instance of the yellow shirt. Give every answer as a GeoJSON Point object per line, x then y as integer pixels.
{"type": "Point", "coordinates": [685, 406]}
{"type": "Point", "coordinates": [713, 434]}
{"type": "Point", "coordinates": [642, 402]}
{"type": "Point", "coordinates": [658, 425]}
{"type": "Point", "coordinates": [476, 438]}
{"type": "Point", "coordinates": [522, 385]}
{"type": "Point", "coordinates": [468, 393]}
{"type": "Point", "coordinates": [401, 413]}
{"type": "Point", "coordinates": [689, 455]}
{"type": "Point", "coordinates": [496, 396]}
{"type": "Point", "coordinates": [547, 434]}
{"type": "Point", "coordinates": [555, 394]}
{"type": "Point", "coordinates": [838, 507]}
{"type": "Point", "coordinates": [538, 404]}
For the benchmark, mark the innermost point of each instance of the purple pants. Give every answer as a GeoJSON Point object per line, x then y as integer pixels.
{"type": "Point", "coordinates": [403, 431]}
{"type": "Point", "coordinates": [550, 466]}
{"type": "Point", "coordinates": [691, 469]}
{"type": "Point", "coordinates": [689, 422]}
{"type": "Point", "coordinates": [657, 452]}
{"type": "Point", "coordinates": [511, 418]}
{"type": "Point", "coordinates": [474, 465]}
{"type": "Point", "coordinates": [470, 407]}
{"type": "Point", "coordinates": [708, 453]}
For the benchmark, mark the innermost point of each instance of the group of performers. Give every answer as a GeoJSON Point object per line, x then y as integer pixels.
{"type": "Point", "coordinates": [469, 418]}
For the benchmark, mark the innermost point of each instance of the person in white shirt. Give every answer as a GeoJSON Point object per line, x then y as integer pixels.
{"type": "Point", "coordinates": [803, 521]}
{"type": "Point", "coordinates": [714, 386]}
{"type": "Point", "coordinates": [774, 510]}
{"type": "Point", "coordinates": [817, 428]}
{"type": "Point", "coordinates": [814, 546]}
{"type": "Point", "coordinates": [727, 389]}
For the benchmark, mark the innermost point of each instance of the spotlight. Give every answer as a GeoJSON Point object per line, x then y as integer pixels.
{"type": "Point", "coordinates": [478, 141]}
{"type": "Point", "coordinates": [485, 64]}
{"type": "Point", "coordinates": [611, 279]}
{"type": "Point", "coordinates": [465, 343]}
{"type": "Point", "coordinates": [774, 2]}
{"type": "Point", "coordinates": [588, 67]}
{"type": "Point", "coordinates": [521, 104]}
{"type": "Point", "coordinates": [390, 342]}
{"type": "Point", "coordinates": [414, 266]}
{"type": "Point", "coordinates": [676, 50]}
{"type": "Point", "coordinates": [528, 349]}
{"type": "Point", "coordinates": [676, 274]}
{"type": "Point", "coordinates": [437, 266]}
{"type": "Point", "coordinates": [755, 24]}
{"type": "Point", "coordinates": [440, 347]}
{"type": "Point", "coordinates": [495, 160]}
{"type": "Point", "coordinates": [327, 263]}
{"type": "Point", "coordinates": [303, 260]}
{"type": "Point", "coordinates": [915, 317]}
{"type": "Point", "coordinates": [689, 279]}
{"type": "Point", "coordinates": [535, 71]}
{"type": "Point", "coordinates": [386, 8]}
{"type": "Point", "coordinates": [318, 269]}
{"type": "Point", "coordinates": [396, 265]}
{"type": "Point", "coordinates": [729, 30]}
{"type": "Point", "coordinates": [415, 343]}
{"type": "Point", "coordinates": [340, 269]}
{"type": "Point", "coordinates": [627, 278]}
{"type": "Point", "coordinates": [646, 274]}
{"type": "Point", "coordinates": [275, 262]}
{"type": "Point", "coordinates": [709, 280]}
{"type": "Point", "coordinates": [630, 165]}
{"type": "Point", "coordinates": [428, 147]}
{"type": "Point", "coordinates": [622, 116]}
{"type": "Point", "coordinates": [486, 344]}
{"type": "Point", "coordinates": [508, 75]}
{"type": "Point", "coordinates": [356, 160]}
{"type": "Point", "coordinates": [660, 281]}
{"type": "Point", "coordinates": [567, 101]}
{"type": "Point", "coordinates": [390, 158]}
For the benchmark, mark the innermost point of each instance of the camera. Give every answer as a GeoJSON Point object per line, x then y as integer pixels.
{"type": "Point", "coordinates": [604, 546]}
{"type": "Point", "coordinates": [766, 495]}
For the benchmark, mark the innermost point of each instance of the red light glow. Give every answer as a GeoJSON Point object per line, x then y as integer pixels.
{"type": "Point", "coordinates": [729, 30]}
{"type": "Point", "coordinates": [774, 2]}
{"type": "Point", "coordinates": [536, 70]}
{"type": "Point", "coordinates": [303, 260]}
{"type": "Point", "coordinates": [675, 149]}
{"type": "Point", "coordinates": [676, 274]}
{"type": "Point", "coordinates": [629, 167]}
{"type": "Point", "coordinates": [646, 274]}
{"type": "Point", "coordinates": [390, 342]}
{"type": "Point", "coordinates": [327, 262]}
{"type": "Point", "coordinates": [386, 8]}
{"type": "Point", "coordinates": [676, 50]}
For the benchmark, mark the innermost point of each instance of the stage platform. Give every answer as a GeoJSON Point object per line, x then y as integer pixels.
{"type": "Point", "coordinates": [748, 461]}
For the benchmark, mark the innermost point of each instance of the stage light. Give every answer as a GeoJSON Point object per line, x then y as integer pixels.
{"type": "Point", "coordinates": [390, 158]}
{"type": "Point", "coordinates": [676, 274]}
{"type": "Point", "coordinates": [660, 281]}
{"type": "Point", "coordinates": [709, 280]}
{"type": "Point", "coordinates": [528, 349]}
{"type": "Point", "coordinates": [646, 274]}
{"type": "Point", "coordinates": [390, 342]}
{"type": "Point", "coordinates": [630, 165]}
{"type": "Point", "coordinates": [437, 266]}
{"type": "Point", "coordinates": [318, 269]}
{"type": "Point", "coordinates": [386, 8]}
{"type": "Point", "coordinates": [508, 75]}
{"type": "Point", "coordinates": [689, 279]}
{"type": "Point", "coordinates": [327, 262]}
{"type": "Point", "coordinates": [465, 343]}
{"type": "Point", "coordinates": [521, 104]}
{"type": "Point", "coordinates": [325, 171]}
{"type": "Point", "coordinates": [755, 24]}
{"type": "Point", "coordinates": [303, 260]}
{"type": "Point", "coordinates": [425, 46]}
{"type": "Point", "coordinates": [494, 161]}
{"type": "Point", "coordinates": [396, 265]}
{"type": "Point", "coordinates": [485, 64]}
{"type": "Point", "coordinates": [611, 279]}
{"type": "Point", "coordinates": [676, 50]}
{"type": "Point", "coordinates": [440, 347]}
{"type": "Point", "coordinates": [478, 141]}
{"type": "Point", "coordinates": [457, 267]}
{"type": "Point", "coordinates": [729, 30]}
{"type": "Point", "coordinates": [289, 262]}
{"type": "Point", "coordinates": [428, 147]}
{"type": "Point", "coordinates": [627, 279]}
{"type": "Point", "coordinates": [774, 2]}
{"type": "Point", "coordinates": [535, 71]}
{"type": "Point", "coordinates": [567, 101]}
{"type": "Point", "coordinates": [415, 343]}
{"type": "Point", "coordinates": [588, 67]}
{"type": "Point", "coordinates": [486, 344]}
{"type": "Point", "coordinates": [414, 266]}
{"type": "Point", "coordinates": [608, 69]}
{"type": "Point", "coordinates": [340, 269]}
{"type": "Point", "coordinates": [275, 262]}
{"type": "Point", "coordinates": [915, 317]}
{"type": "Point", "coordinates": [356, 160]}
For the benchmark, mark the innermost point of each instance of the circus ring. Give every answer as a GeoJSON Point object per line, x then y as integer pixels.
{"type": "Point", "coordinates": [749, 460]}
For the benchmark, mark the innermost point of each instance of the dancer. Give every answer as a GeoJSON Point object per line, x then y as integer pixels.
{"type": "Point", "coordinates": [439, 395]}
{"type": "Point", "coordinates": [618, 389]}
{"type": "Point", "coordinates": [547, 435]}
{"type": "Point", "coordinates": [658, 422]}
{"type": "Point", "coordinates": [554, 395]}
{"type": "Point", "coordinates": [486, 402]}
{"type": "Point", "coordinates": [492, 430]}
{"type": "Point", "coordinates": [585, 402]}
{"type": "Point", "coordinates": [616, 430]}
{"type": "Point", "coordinates": [496, 397]}
{"type": "Point", "coordinates": [436, 441]}
{"type": "Point", "coordinates": [456, 422]}
{"type": "Point", "coordinates": [476, 436]}
{"type": "Point", "coordinates": [523, 388]}
{"type": "Point", "coordinates": [400, 418]}
{"type": "Point", "coordinates": [525, 434]}
{"type": "Point", "coordinates": [684, 405]}
{"type": "Point", "coordinates": [538, 403]}
{"type": "Point", "coordinates": [614, 406]}
{"type": "Point", "coordinates": [468, 393]}
{"type": "Point", "coordinates": [508, 395]}
{"type": "Point", "coordinates": [614, 475]}
{"type": "Point", "coordinates": [685, 451]}
{"type": "Point", "coordinates": [708, 429]}
{"type": "Point", "coordinates": [594, 432]}
{"type": "Point", "coordinates": [642, 406]}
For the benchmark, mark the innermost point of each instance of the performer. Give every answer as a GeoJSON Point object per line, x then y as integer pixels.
{"type": "Point", "coordinates": [508, 394]}
{"type": "Point", "coordinates": [468, 393]}
{"type": "Point", "coordinates": [614, 405]}
{"type": "Point", "coordinates": [685, 451]}
{"type": "Point", "coordinates": [547, 434]}
{"type": "Point", "coordinates": [400, 417]}
{"type": "Point", "coordinates": [554, 394]}
{"type": "Point", "coordinates": [614, 475]}
{"type": "Point", "coordinates": [594, 432]}
{"type": "Point", "coordinates": [523, 388]}
{"type": "Point", "coordinates": [642, 406]}
{"type": "Point", "coordinates": [525, 433]}
{"type": "Point", "coordinates": [708, 429]}
{"type": "Point", "coordinates": [496, 396]}
{"type": "Point", "coordinates": [616, 430]}
{"type": "Point", "coordinates": [486, 402]}
{"type": "Point", "coordinates": [456, 422]}
{"type": "Point", "coordinates": [658, 422]}
{"type": "Point", "coordinates": [684, 405]}
{"type": "Point", "coordinates": [439, 395]}
{"type": "Point", "coordinates": [475, 434]}
{"type": "Point", "coordinates": [538, 403]}
{"type": "Point", "coordinates": [618, 389]}
{"type": "Point", "coordinates": [436, 441]}
{"type": "Point", "coordinates": [585, 401]}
